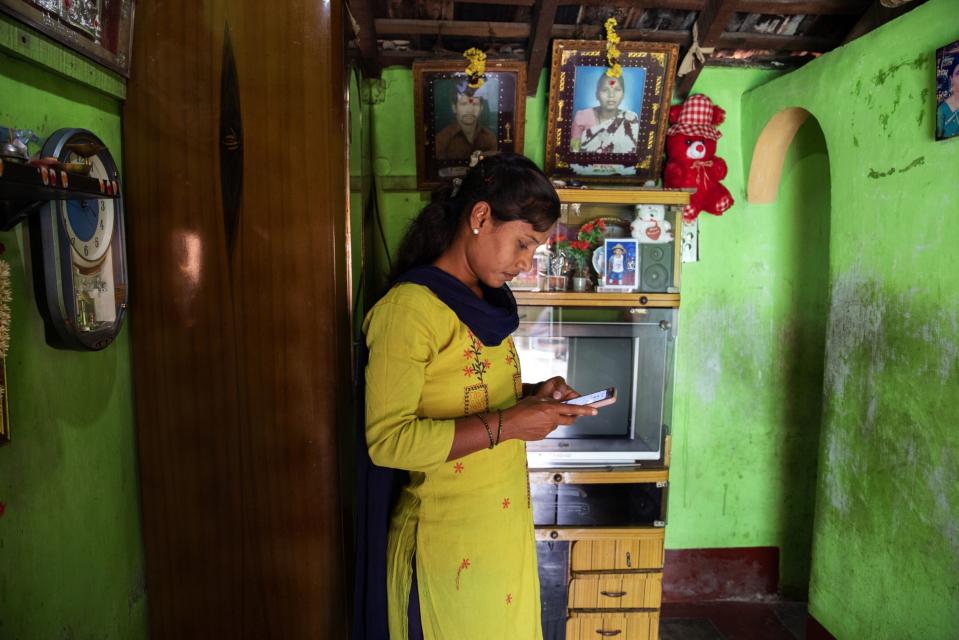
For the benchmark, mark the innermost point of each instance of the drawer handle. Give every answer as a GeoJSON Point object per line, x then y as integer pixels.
{"type": "Point", "coordinates": [613, 594]}
{"type": "Point", "coordinates": [607, 634]}
{"type": "Point", "coordinates": [629, 560]}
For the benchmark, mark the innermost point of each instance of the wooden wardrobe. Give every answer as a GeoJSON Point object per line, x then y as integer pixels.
{"type": "Point", "coordinates": [234, 172]}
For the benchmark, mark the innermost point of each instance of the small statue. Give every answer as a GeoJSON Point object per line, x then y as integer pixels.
{"type": "Point", "coordinates": [650, 225]}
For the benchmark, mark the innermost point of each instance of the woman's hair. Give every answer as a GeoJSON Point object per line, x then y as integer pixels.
{"type": "Point", "coordinates": [511, 184]}
{"type": "Point", "coordinates": [603, 79]}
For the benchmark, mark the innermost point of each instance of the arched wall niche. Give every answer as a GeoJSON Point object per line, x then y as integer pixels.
{"type": "Point", "coordinates": [769, 154]}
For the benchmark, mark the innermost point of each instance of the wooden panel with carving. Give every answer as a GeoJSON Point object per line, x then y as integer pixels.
{"type": "Point", "coordinates": [239, 317]}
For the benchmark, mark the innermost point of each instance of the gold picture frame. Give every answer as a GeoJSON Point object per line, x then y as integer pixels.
{"type": "Point", "coordinates": [101, 30]}
{"type": "Point", "coordinates": [443, 126]}
{"type": "Point", "coordinates": [620, 139]}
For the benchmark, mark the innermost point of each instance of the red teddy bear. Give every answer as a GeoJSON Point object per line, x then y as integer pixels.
{"type": "Point", "coordinates": [691, 160]}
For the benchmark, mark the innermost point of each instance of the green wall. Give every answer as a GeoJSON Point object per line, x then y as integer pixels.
{"type": "Point", "coordinates": [71, 555]}
{"type": "Point", "coordinates": [747, 399]}
{"type": "Point", "coordinates": [886, 541]}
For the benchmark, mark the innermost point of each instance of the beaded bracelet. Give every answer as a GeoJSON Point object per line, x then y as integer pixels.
{"type": "Point", "coordinates": [499, 430]}
{"type": "Point", "coordinates": [488, 431]}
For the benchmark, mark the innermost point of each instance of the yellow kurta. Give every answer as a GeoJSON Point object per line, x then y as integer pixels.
{"type": "Point", "coordinates": [469, 521]}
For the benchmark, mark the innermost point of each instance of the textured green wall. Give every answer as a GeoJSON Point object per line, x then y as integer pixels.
{"type": "Point", "coordinates": [748, 390]}
{"type": "Point", "coordinates": [71, 555]}
{"type": "Point", "coordinates": [886, 541]}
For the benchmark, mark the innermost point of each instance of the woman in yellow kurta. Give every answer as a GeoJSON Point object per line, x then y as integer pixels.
{"type": "Point", "coordinates": [445, 401]}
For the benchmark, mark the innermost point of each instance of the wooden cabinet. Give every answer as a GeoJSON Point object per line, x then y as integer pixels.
{"type": "Point", "coordinates": [598, 581]}
{"type": "Point", "coordinates": [600, 521]}
{"type": "Point", "coordinates": [621, 626]}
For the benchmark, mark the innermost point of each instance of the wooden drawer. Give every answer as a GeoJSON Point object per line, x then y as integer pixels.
{"type": "Point", "coordinates": [622, 554]}
{"type": "Point", "coordinates": [618, 626]}
{"type": "Point", "coordinates": [616, 591]}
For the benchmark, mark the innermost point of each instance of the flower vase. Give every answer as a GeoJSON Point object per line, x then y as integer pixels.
{"type": "Point", "coordinates": [580, 282]}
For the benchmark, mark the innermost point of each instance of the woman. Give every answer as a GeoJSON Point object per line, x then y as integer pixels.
{"type": "Point", "coordinates": [445, 401]}
{"type": "Point", "coordinates": [605, 128]}
{"type": "Point", "coordinates": [947, 115]}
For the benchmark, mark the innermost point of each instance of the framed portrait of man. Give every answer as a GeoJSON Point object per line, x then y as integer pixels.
{"type": "Point", "coordinates": [947, 91]}
{"type": "Point", "coordinates": [608, 128]}
{"type": "Point", "coordinates": [453, 119]}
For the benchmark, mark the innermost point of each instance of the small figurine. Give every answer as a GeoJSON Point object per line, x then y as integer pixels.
{"type": "Point", "coordinates": [650, 225]}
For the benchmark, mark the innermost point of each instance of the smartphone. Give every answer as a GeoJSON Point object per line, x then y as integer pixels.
{"type": "Point", "coordinates": [597, 399]}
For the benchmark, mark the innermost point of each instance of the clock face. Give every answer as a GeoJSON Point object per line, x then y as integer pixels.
{"type": "Point", "coordinates": [89, 223]}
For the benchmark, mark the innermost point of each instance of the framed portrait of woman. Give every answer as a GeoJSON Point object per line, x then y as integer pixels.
{"type": "Point", "coordinates": [605, 128]}
{"type": "Point", "coordinates": [453, 119]}
{"type": "Point", "coordinates": [947, 91]}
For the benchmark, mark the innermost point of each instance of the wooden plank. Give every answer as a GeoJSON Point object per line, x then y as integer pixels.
{"type": "Point", "coordinates": [731, 40]}
{"type": "Point", "coordinates": [604, 534]}
{"type": "Point", "coordinates": [466, 28]}
{"type": "Point", "coordinates": [876, 16]}
{"type": "Point", "coordinates": [544, 14]}
{"type": "Point", "coordinates": [625, 196]}
{"type": "Point", "coordinates": [611, 475]}
{"type": "Point", "coordinates": [711, 24]}
{"type": "Point", "coordinates": [673, 5]}
{"type": "Point", "coordinates": [572, 299]}
{"type": "Point", "coordinates": [515, 3]}
{"type": "Point", "coordinates": [593, 31]}
{"type": "Point", "coordinates": [803, 8]}
{"type": "Point", "coordinates": [241, 359]}
{"type": "Point", "coordinates": [366, 39]}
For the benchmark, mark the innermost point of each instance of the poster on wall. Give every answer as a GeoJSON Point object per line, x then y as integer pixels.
{"type": "Point", "coordinates": [102, 30]}
{"type": "Point", "coordinates": [453, 120]}
{"type": "Point", "coordinates": [947, 91]}
{"type": "Point", "coordinates": [608, 128]}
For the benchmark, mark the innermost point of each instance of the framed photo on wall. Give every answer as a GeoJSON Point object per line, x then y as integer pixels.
{"type": "Point", "coordinates": [102, 30]}
{"type": "Point", "coordinates": [947, 91]}
{"type": "Point", "coordinates": [603, 128]}
{"type": "Point", "coordinates": [453, 120]}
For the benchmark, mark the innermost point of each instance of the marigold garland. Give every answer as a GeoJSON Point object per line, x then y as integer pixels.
{"type": "Point", "coordinates": [612, 51]}
{"type": "Point", "coordinates": [476, 69]}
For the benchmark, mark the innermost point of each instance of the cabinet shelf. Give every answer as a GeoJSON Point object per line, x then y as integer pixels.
{"type": "Point", "coordinates": [595, 299]}
{"type": "Point", "coordinates": [624, 196]}
{"type": "Point", "coordinates": [23, 188]}
{"type": "Point", "coordinates": [548, 533]}
{"type": "Point", "coordinates": [605, 475]}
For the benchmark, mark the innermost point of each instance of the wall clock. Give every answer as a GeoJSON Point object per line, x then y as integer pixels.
{"type": "Point", "coordinates": [79, 254]}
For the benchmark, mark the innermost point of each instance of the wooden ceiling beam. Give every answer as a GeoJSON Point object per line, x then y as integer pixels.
{"type": "Point", "coordinates": [674, 5]}
{"type": "Point", "coordinates": [775, 42]}
{"type": "Point", "coordinates": [876, 16]}
{"type": "Point", "coordinates": [366, 38]}
{"type": "Point", "coordinates": [803, 8]}
{"type": "Point", "coordinates": [471, 29]}
{"type": "Point", "coordinates": [710, 25]}
{"type": "Point", "coordinates": [772, 7]}
{"type": "Point", "coordinates": [514, 3]}
{"type": "Point", "coordinates": [544, 15]}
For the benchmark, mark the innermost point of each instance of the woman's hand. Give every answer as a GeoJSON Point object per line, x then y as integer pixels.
{"type": "Point", "coordinates": [534, 417]}
{"type": "Point", "coordinates": [555, 389]}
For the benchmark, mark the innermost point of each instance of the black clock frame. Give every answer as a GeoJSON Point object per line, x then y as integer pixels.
{"type": "Point", "coordinates": [50, 248]}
